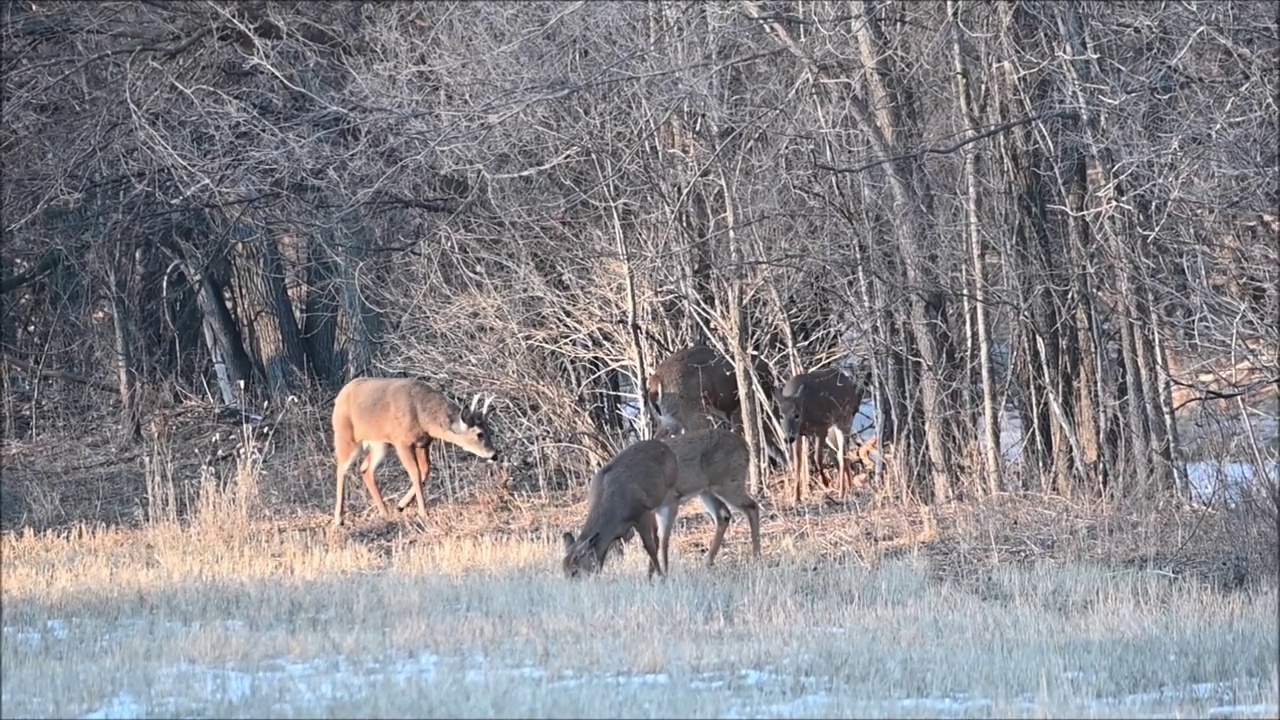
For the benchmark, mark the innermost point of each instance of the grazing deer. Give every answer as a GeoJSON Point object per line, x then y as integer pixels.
{"type": "Point", "coordinates": [713, 466]}
{"type": "Point", "coordinates": [621, 500]}
{"type": "Point", "coordinates": [407, 414]}
{"type": "Point", "coordinates": [816, 404]}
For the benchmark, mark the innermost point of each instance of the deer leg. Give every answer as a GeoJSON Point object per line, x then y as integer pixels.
{"type": "Point", "coordinates": [422, 456]}
{"type": "Point", "coordinates": [345, 453]}
{"type": "Point", "coordinates": [616, 545]}
{"type": "Point", "coordinates": [817, 459]}
{"type": "Point", "coordinates": [370, 465]}
{"type": "Point", "coordinates": [798, 464]}
{"type": "Point", "coordinates": [647, 527]}
{"type": "Point", "coordinates": [840, 440]}
{"type": "Point", "coordinates": [666, 518]}
{"type": "Point", "coordinates": [819, 446]}
{"type": "Point", "coordinates": [404, 501]}
{"type": "Point", "coordinates": [738, 497]}
{"type": "Point", "coordinates": [720, 513]}
{"type": "Point", "coordinates": [409, 459]}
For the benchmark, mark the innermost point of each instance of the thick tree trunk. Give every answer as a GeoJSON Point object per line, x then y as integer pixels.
{"type": "Point", "coordinates": [320, 320]}
{"type": "Point", "coordinates": [356, 322]}
{"type": "Point", "coordinates": [223, 335]}
{"type": "Point", "coordinates": [266, 312]}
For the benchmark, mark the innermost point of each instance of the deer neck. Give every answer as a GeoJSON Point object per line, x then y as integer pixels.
{"type": "Point", "coordinates": [447, 431]}
{"type": "Point", "coordinates": [605, 523]}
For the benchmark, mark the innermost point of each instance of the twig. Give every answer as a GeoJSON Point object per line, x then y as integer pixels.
{"type": "Point", "coordinates": [59, 374]}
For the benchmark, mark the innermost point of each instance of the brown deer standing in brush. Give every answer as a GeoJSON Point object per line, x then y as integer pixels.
{"type": "Point", "coordinates": [713, 467]}
{"type": "Point", "coordinates": [377, 413]}
{"type": "Point", "coordinates": [691, 384]}
{"type": "Point", "coordinates": [820, 404]}
{"type": "Point", "coordinates": [696, 388]}
{"type": "Point", "coordinates": [621, 500]}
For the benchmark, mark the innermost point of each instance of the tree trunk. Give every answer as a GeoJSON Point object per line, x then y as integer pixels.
{"type": "Point", "coordinates": [126, 373]}
{"type": "Point", "coordinates": [320, 319]}
{"type": "Point", "coordinates": [926, 305]}
{"type": "Point", "coordinates": [990, 418]}
{"type": "Point", "coordinates": [267, 312]}
{"type": "Point", "coordinates": [356, 322]}
{"type": "Point", "coordinates": [739, 342]}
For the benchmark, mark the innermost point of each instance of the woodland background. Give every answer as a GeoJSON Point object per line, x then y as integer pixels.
{"type": "Point", "coordinates": [1058, 219]}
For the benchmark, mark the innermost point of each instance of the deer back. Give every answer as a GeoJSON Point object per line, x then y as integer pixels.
{"type": "Point", "coordinates": [408, 411]}
{"type": "Point", "coordinates": [696, 375]}
{"type": "Point", "coordinates": [708, 459]}
{"type": "Point", "coordinates": [690, 383]}
{"type": "Point", "coordinates": [815, 401]}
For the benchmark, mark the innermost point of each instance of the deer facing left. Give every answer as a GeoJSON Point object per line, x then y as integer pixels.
{"type": "Point", "coordinates": [375, 414]}
{"type": "Point", "coordinates": [621, 500]}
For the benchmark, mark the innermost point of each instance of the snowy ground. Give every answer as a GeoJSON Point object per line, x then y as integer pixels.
{"type": "Point", "coordinates": [1228, 482]}
{"type": "Point", "coordinates": [301, 688]}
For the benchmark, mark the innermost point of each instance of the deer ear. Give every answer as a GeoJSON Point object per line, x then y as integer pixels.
{"type": "Point", "coordinates": [568, 540]}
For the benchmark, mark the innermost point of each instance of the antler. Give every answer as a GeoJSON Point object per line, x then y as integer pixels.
{"type": "Point", "coordinates": [474, 400]}
{"type": "Point", "coordinates": [485, 410]}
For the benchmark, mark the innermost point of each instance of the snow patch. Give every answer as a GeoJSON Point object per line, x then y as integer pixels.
{"type": "Point", "coordinates": [1245, 711]}
{"type": "Point", "coordinates": [756, 677]}
{"type": "Point", "coordinates": [299, 686]}
{"type": "Point", "coordinates": [56, 628]}
{"type": "Point", "coordinates": [1198, 691]}
{"type": "Point", "coordinates": [121, 706]}
{"type": "Point", "coordinates": [951, 705]}
{"type": "Point", "coordinates": [305, 687]}
{"type": "Point", "coordinates": [803, 706]}
{"type": "Point", "coordinates": [1228, 483]}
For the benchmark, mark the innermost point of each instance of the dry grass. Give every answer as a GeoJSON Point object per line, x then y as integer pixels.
{"type": "Point", "coordinates": [199, 577]}
{"type": "Point", "coordinates": [883, 614]}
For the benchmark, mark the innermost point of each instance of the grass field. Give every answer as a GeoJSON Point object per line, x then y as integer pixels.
{"type": "Point", "coordinates": [867, 614]}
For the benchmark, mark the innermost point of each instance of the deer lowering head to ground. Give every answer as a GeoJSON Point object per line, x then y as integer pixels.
{"type": "Point", "coordinates": [713, 466]}
{"type": "Point", "coordinates": [621, 499]}
{"type": "Point", "coordinates": [691, 384]}
{"type": "Point", "coordinates": [820, 404]}
{"type": "Point", "coordinates": [377, 413]}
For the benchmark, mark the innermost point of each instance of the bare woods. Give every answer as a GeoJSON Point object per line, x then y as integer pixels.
{"type": "Point", "coordinates": [1059, 216]}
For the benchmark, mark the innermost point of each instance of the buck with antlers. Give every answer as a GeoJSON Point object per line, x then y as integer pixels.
{"type": "Point", "coordinates": [377, 413]}
{"type": "Point", "coordinates": [820, 404]}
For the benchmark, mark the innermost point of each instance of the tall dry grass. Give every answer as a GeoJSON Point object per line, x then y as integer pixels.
{"type": "Point", "coordinates": [214, 602]}
{"type": "Point", "coordinates": [234, 616]}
